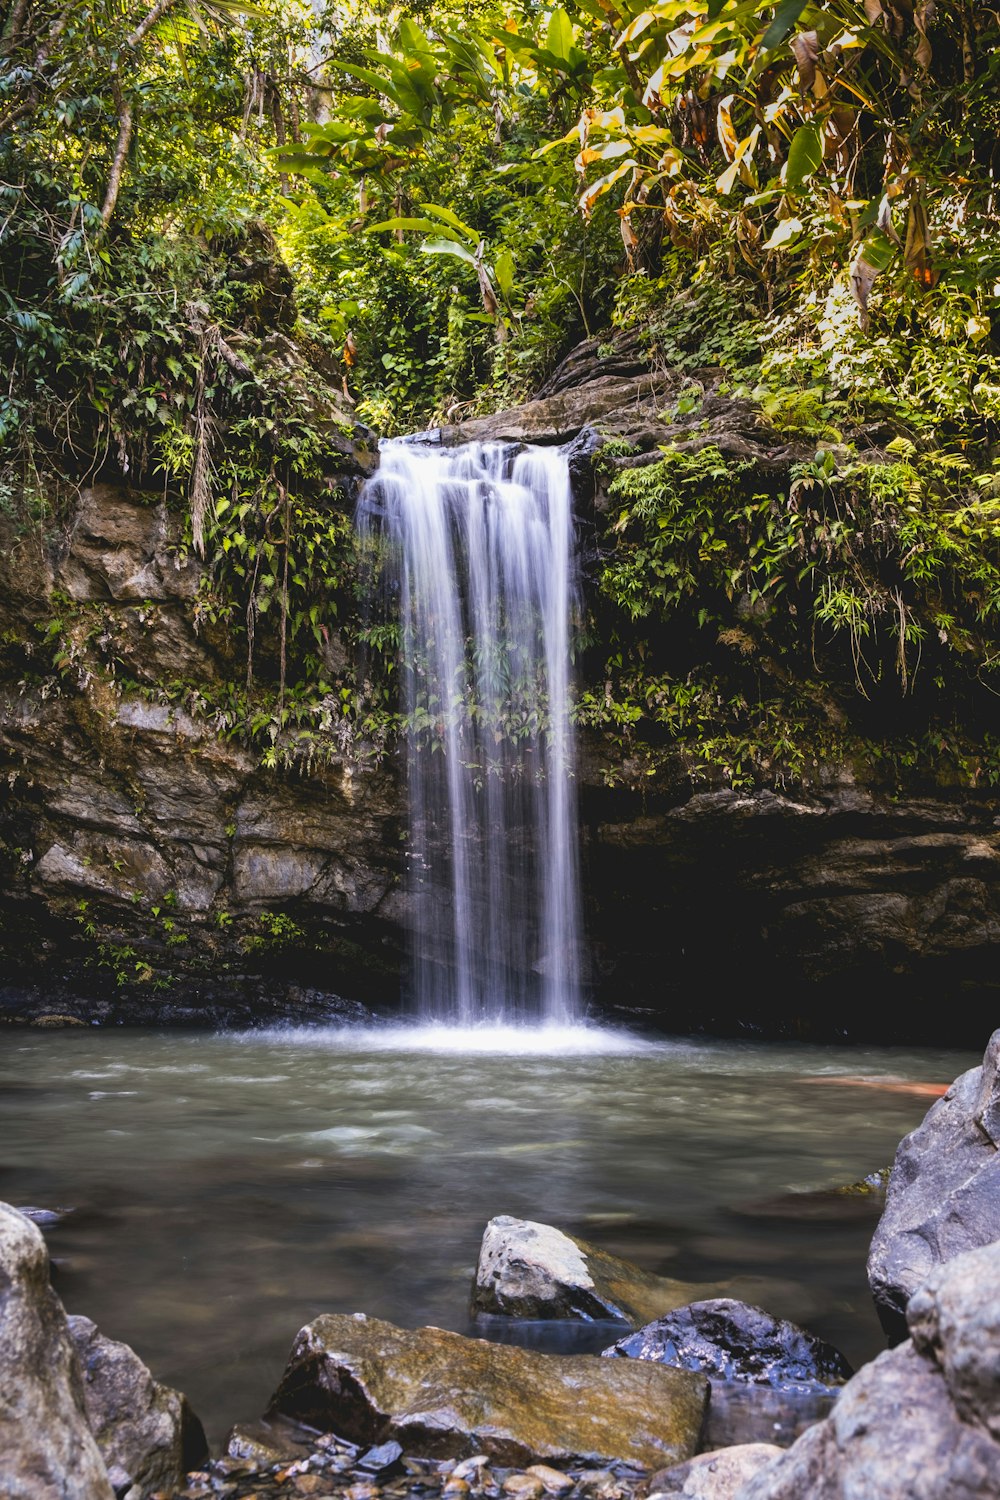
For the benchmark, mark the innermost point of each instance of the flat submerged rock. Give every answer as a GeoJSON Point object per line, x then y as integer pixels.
{"type": "Point", "coordinates": [444, 1396]}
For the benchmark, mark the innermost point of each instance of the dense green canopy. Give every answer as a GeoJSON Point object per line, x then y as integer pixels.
{"type": "Point", "coordinates": [800, 195]}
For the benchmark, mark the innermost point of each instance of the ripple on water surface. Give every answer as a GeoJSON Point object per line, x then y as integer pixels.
{"type": "Point", "coordinates": [226, 1189]}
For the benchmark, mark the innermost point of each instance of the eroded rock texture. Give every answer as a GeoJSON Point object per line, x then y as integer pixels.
{"type": "Point", "coordinates": [151, 862]}
{"type": "Point", "coordinates": [944, 1191]}
{"type": "Point", "coordinates": [147, 1433]}
{"type": "Point", "coordinates": [921, 1420]}
{"type": "Point", "coordinates": [47, 1449]}
{"type": "Point", "coordinates": [444, 1396]}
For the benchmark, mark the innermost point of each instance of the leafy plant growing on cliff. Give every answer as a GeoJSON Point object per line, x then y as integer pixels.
{"type": "Point", "coordinates": [857, 601]}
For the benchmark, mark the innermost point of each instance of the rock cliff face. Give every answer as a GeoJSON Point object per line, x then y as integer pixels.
{"type": "Point", "coordinates": [836, 911]}
{"type": "Point", "coordinates": [153, 870]}
{"type": "Point", "coordinates": [152, 865]}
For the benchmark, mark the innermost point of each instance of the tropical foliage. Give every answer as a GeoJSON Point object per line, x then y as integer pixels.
{"type": "Point", "coordinates": [228, 231]}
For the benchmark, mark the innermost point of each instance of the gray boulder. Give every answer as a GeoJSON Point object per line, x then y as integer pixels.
{"type": "Point", "coordinates": [731, 1340]}
{"type": "Point", "coordinates": [147, 1433]}
{"type": "Point", "coordinates": [919, 1422]}
{"type": "Point", "coordinates": [955, 1320]}
{"type": "Point", "coordinates": [440, 1395]}
{"type": "Point", "coordinates": [714, 1476]}
{"type": "Point", "coordinates": [529, 1270]}
{"type": "Point", "coordinates": [47, 1450]}
{"type": "Point", "coordinates": [944, 1191]}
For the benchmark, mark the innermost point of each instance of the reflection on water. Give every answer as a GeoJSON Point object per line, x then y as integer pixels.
{"type": "Point", "coordinates": [227, 1189]}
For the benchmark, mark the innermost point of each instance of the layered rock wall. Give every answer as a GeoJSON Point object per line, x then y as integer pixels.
{"type": "Point", "coordinates": [153, 869]}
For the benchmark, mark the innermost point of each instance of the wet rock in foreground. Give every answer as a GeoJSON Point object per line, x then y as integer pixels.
{"type": "Point", "coordinates": [714, 1476]}
{"type": "Point", "coordinates": [47, 1450]}
{"type": "Point", "coordinates": [147, 1433]}
{"type": "Point", "coordinates": [444, 1396]}
{"type": "Point", "coordinates": [733, 1341]}
{"type": "Point", "coordinates": [920, 1421]}
{"type": "Point", "coordinates": [531, 1270]}
{"type": "Point", "coordinates": [944, 1191]}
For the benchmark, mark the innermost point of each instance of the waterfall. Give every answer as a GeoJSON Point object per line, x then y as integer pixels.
{"type": "Point", "coordinates": [476, 550]}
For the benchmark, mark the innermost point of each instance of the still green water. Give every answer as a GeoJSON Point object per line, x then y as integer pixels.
{"type": "Point", "coordinates": [226, 1189]}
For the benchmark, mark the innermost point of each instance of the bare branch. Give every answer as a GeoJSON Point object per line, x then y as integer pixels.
{"type": "Point", "coordinates": [11, 34]}
{"type": "Point", "coordinates": [232, 359]}
{"type": "Point", "coordinates": [58, 27]}
{"type": "Point", "coordinates": [148, 21]}
{"type": "Point", "coordinates": [17, 113]}
{"type": "Point", "coordinates": [126, 121]}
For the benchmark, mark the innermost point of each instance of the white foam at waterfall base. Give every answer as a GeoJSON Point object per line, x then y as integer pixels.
{"type": "Point", "coordinates": [474, 550]}
{"type": "Point", "coordinates": [487, 1039]}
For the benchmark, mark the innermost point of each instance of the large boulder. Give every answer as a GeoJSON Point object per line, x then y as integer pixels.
{"type": "Point", "coordinates": [714, 1476]}
{"type": "Point", "coordinates": [147, 1433]}
{"type": "Point", "coordinates": [921, 1421]}
{"type": "Point", "coordinates": [955, 1320]}
{"type": "Point", "coordinates": [444, 1396]}
{"type": "Point", "coordinates": [944, 1191]}
{"type": "Point", "coordinates": [47, 1450]}
{"type": "Point", "coordinates": [529, 1270]}
{"type": "Point", "coordinates": [732, 1340]}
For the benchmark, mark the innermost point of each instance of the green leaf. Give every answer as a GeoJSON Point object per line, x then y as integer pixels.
{"type": "Point", "coordinates": [878, 250]}
{"type": "Point", "coordinates": [559, 38]}
{"type": "Point", "coordinates": [447, 217]}
{"type": "Point", "coordinates": [787, 230]}
{"type": "Point", "coordinates": [449, 247]}
{"type": "Point", "coordinates": [412, 38]}
{"type": "Point", "coordinates": [785, 18]}
{"type": "Point", "coordinates": [503, 266]}
{"type": "Point", "coordinates": [374, 80]}
{"type": "Point", "coordinates": [423, 226]}
{"type": "Point", "coordinates": [805, 155]}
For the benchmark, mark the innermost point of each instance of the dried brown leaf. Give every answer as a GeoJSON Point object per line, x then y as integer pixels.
{"type": "Point", "coordinates": [727, 135]}
{"type": "Point", "coordinates": [805, 50]}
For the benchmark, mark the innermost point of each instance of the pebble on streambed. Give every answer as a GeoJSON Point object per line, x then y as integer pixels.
{"type": "Point", "coordinates": [331, 1469]}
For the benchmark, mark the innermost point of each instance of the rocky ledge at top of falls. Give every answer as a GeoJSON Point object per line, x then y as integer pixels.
{"type": "Point", "coordinates": [153, 871]}
{"type": "Point", "coordinates": [613, 387]}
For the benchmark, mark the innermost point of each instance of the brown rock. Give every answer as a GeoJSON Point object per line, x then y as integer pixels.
{"type": "Point", "coordinates": [444, 1396]}
{"type": "Point", "coordinates": [554, 1480]}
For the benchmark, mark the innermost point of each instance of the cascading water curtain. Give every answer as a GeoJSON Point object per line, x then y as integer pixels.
{"type": "Point", "coordinates": [477, 550]}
